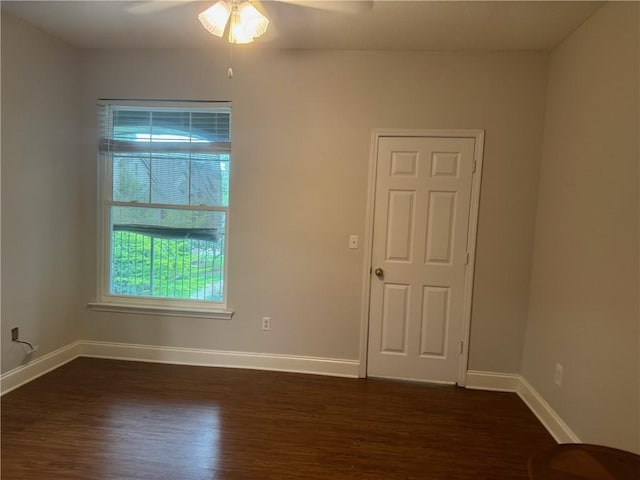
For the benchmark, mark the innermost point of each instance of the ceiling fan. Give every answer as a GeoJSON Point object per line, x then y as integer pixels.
{"type": "Point", "coordinates": [242, 19]}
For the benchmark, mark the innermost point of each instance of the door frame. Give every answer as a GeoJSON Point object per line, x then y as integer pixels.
{"type": "Point", "coordinates": [478, 136]}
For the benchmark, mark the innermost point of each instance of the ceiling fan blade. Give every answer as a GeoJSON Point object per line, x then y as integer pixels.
{"type": "Point", "coordinates": [152, 6]}
{"type": "Point", "coordinates": [350, 6]}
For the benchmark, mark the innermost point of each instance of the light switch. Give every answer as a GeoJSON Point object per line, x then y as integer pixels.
{"type": "Point", "coordinates": [353, 241]}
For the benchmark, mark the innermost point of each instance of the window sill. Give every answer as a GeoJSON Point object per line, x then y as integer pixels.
{"type": "Point", "coordinates": [161, 311]}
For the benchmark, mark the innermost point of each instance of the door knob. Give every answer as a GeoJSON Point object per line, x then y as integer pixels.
{"type": "Point", "coordinates": [379, 272]}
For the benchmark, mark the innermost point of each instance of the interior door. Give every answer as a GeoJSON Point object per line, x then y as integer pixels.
{"type": "Point", "coordinates": [419, 257]}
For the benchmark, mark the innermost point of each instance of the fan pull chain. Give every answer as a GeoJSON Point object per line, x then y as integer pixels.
{"type": "Point", "coordinates": [230, 71]}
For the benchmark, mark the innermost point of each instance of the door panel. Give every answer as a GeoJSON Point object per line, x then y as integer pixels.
{"type": "Point", "coordinates": [435, 318]}
{"type": "Point", "coordinates": [440, 223]}
{"type": "Point", "coordinates": [421, 221]}
{"type": "Point", "coordinates": [395, 312]}
{"type": "Point", "coordinates": [400, 225]}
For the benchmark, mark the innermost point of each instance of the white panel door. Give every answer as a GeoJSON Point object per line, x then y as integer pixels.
{"type": "Point", "coordinates": [419, 257]}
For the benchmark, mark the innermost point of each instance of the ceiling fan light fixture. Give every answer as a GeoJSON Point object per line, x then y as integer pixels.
{"type": "Point", "coordinates": [215, 18]}
{"type": "Point", "coordinates": [255, 24]}
{"type": "Point", "coordinates": [246, 21]}
{"type": "Point", "coordinates": [237, 31]}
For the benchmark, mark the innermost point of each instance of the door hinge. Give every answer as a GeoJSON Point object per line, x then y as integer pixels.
{"type": "Point", "coordinates": [474, 167]}
{"type": "Point", "coordinates": [461, 346]}
{"type": "Point", "coordinates": [466, 262]}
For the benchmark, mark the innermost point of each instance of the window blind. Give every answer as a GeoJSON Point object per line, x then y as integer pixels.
{"type": "Point", "coordinates": [167, 155]}
{"type": "Point", "coordinates": [127, 129]}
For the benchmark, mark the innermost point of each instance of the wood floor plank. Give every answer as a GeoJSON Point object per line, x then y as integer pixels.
{"type": "Point", "coordinates": [105, 419]}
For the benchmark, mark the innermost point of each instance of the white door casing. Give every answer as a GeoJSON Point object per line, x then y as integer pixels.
{"type": "Point", "coordinates": [423, 225]}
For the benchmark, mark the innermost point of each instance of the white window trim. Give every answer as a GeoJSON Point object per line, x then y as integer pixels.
{"type": "Point", "coordinates": [149, 305]}
{"type": "Point", "coordinates": [216, 314]}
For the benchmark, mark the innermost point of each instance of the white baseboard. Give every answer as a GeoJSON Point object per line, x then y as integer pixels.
{"type": "Point", "coordinates": [499, 382]}
{"type": "Point", "coordinates": [547, 416]}
{"type": "Point", "coordinates": [509, 382]}
{"type": "Point", "coordinates": [183, 356]}
{"type": "Point", "coordinates": [218, 358]}
{"type": "Point", "coordinates": [25, 373]}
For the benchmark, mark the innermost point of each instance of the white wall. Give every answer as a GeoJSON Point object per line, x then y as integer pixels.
{"type": "Point", "coordinates": [584, 311]}
{"type": "Point", "coordinates": [302, 123]}
{"type": "Point", "coordinates": [40, 196]}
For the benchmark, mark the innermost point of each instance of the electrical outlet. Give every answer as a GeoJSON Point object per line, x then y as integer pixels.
{"type": "Point", "coordinates": [15, 334]}
{"type": "Point", "coordinates": [558, 378]}
{"type": "Point", "coordinates": [266, 323]}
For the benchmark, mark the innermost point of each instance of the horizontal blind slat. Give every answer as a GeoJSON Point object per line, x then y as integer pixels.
{"type": "Point", "coordinates": [119, 146]}
{"type": "Point", "coordinates": [168, 206]}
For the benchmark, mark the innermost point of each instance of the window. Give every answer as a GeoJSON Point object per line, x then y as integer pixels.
{"type": "Point", "coordinates": [165, 204]}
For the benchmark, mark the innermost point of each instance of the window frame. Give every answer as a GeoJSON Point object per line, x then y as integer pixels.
{"type": "Point", "coordinates": [107, 301]}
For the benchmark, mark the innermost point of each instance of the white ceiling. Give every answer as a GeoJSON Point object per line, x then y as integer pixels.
{"type": "Point", "coordinates": [379, 25]}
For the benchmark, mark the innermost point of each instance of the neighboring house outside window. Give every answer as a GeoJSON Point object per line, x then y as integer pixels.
{"type": "Point", "coordinates": [164, 170]}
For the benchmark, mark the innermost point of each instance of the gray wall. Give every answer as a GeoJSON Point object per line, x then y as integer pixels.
{"type": "Point", "coordinates": [302, 124]}
{"type": "Point", "coordinates": [584, 311]}
{"type": "Point", "coordinates": [40, 196]}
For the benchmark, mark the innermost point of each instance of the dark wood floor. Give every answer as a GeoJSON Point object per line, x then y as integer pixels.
{"type": "Point", "coordinates": [104, 419]}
